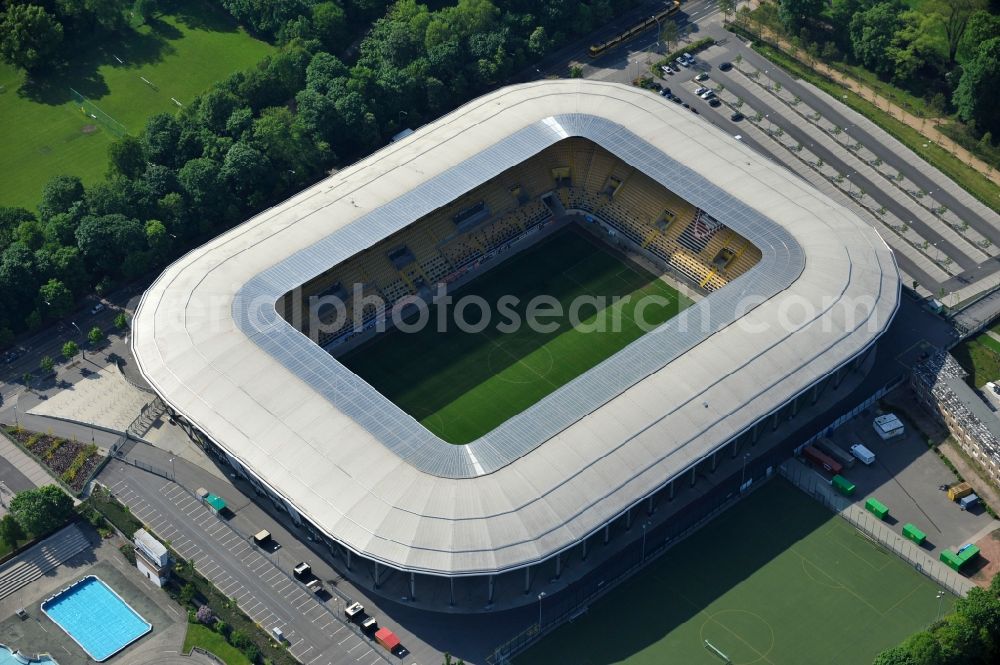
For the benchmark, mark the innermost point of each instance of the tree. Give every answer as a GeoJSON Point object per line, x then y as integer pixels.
{"type": "Point", "coordinates": [127, 156]}
{"type": "Point", "coordinates": [538, 41]}
{"type": "Point", "coordinates": [954, 15]}
{"type": "Point", "coordinates": [158, 240]}
{"type": "Point", "coordinates": [106, 241]}
{"type": "Point", "coordinates": [872, 32]}
{"type": "Point", "coordinates": [46, 364]}
{"type": "Point", "coordinates": [669, 35]}
{"type": "Point", "coordinates": [29, 36]}
{"type": "Point", "coordinates": [121, 321]}
{"type": "Point", "coordinates": [330, 24]}
{"type": "Point", "coordinates": [70, 349]}
{"type": "Point", "coordinates": [981, 27]}
{"type": "Point", "coordinates": [976, 96]}
{"type": "Point", "coordinates": [200, 180]}
{"type": "Point", "coordinates": [144, 9]}
{"type": "Point", "coordinates": [96, 335]}
{"type": "Point", "coordinates": [794, 14]}
{"type": "Point", "coordinates": [10, 219]}
{"type": "Point", "coordinates": [56, 297]}
{"type": "Point", "coordinates": [41, 510]}
{"type": "Point", "coordinates": [59, 195]}
{"type": "Point", "coordinates": [728, 7]}
{"type": "Point", "coordinates": [187, 593]}
{"type": "Point", "coordinates": [11, 531]}
{"type": "Point", "coordinates": [160, 139]}
{"type": "Point", "coordinates": [914, 48]}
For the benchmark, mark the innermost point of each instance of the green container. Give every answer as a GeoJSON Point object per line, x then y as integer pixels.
{"type": "Point", "coordinates": [968, 554]}
{"type": "Point", "coordinates": [951, 560]}
{"type": "Point", "coordinates": [843, 485]}
{"type": "Point", "coordinates": [914, 534]}
{"type": "Point", "coordinates": [876, 508]}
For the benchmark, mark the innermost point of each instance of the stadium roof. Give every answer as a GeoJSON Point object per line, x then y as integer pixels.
{"type": "Point", "coordinates": [208, 339]}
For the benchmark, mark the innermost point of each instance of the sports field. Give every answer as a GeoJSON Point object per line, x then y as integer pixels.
{"type": "Point", "coordinates": [182, 54]}
{"type": "Point", "coordinates": [776, 579]}
{"type": "Point", "coordinates": [461, 385]}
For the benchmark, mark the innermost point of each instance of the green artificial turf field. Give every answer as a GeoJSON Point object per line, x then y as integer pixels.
{"type": "Point", "coordinates": [461, 385]}
{"type": "Point", "coordinates": [776, 579]}
{"type": "Point", "coordinates": [182, 52]}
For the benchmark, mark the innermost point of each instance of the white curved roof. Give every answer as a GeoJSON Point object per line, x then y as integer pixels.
{"type": "Point", "coordinates": [207, 338]}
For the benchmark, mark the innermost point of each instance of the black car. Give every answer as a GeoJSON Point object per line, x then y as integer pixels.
{"type": "Point", "coordinates": [666, 91]}
{"type": "Point", "coordinates": [725, 66]}
{"type": "Point", "coordinates": [675, 100]}
{"type": "Point", "coordinates": [657, 86]}
{"type": "Point", "coordinates": [686, 105]}
{"type": "Point", "coordinates": [714, 102]}
{"type": "Point", "coordinates": [736, 117]}
{"type": "Point", "coordinates": [695, 111]}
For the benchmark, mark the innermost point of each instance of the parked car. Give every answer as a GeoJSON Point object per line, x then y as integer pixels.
{"type": "Point", "coordinates": [675, 100]}
{"type": "Point", "coordinates": [98, 308]}
{"type": "Point", "coordinates": [688, 58]}
{"type": "Point", "coordinates": [685, 105]}
{"type": "Point", "coordinates": [714, 102]}
{"type": "Point", "coordinates": [708, 94]}
{"type": "Point", "coordinates": [725, 66]}
{"type": "Point", "coordinates": [666, 91]}
{"type": "Point", "coordinates": [695, 111]}
{"type": "Point", "coordinates": [700, 90]}
{"type": "Point", "coordinates": [736, 117]}
{"type": "Point", "coordinates": [701, 77]}
{"type": "Point", "coordinates": [683, 63]}
{"type": "Point", "coordinates": [666, 70]}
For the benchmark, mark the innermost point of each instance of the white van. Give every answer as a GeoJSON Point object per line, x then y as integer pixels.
{"type": "Point", "coordinates": [278, 635]}
{"type": "Point", "coordinates": [866, 456]}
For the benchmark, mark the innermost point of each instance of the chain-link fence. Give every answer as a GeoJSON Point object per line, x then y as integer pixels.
{"type": "Point", "coordinates": [872, 527]}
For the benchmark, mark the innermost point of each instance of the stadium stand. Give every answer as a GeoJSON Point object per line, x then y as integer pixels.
{"type": "Point", "coordinates": [588, 182]}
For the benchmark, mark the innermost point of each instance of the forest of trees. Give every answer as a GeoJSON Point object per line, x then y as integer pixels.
{"type": "Point", "coordinates": [947, 52]}
{"type": "Point", "coordinates": [260, 135]}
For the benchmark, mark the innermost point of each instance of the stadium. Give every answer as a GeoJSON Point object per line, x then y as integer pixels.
{"type": "Point", "coordinates": [493, 458]}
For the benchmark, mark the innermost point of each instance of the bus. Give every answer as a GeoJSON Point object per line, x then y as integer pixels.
{"type": "Point", "coordinates": [642, 26]}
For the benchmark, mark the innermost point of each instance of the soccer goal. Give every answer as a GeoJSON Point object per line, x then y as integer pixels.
{"type": "Point", "coordinates": [93, 111]}
{"type": "Point", "coordinates": [718, 652]}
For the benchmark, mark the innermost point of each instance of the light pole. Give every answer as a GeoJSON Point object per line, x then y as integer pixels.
{"type": "Point", "coordinates": [766, 72]}
{"type": "Point", "coordinates": [849, 187]}
{"type": "Point", "coordinates": [743, 476]}
{"type": "Point", "coordinates": [644, 525]}
{"type": "Point", "coordinates": [540, 596]}
{"type": "Point", "coordinates": [173, 470]}
{"type": "Point", "coordinates": [940, 598]}
{"type": "Point", "coordinates": [83, 352]}
{"type": "Point", "coordinates": [767, 116]}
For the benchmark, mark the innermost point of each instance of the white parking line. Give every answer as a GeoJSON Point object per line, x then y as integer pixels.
{"type": "Point", "coordinates": [364, 654]}
{"type": "Point", "coordinates": [359, 644]}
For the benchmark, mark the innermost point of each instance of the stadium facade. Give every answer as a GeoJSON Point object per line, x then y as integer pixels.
{"type": "Point", "coordinates": [372, 483]}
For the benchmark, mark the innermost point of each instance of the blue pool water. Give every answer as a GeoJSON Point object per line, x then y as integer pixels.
{"type": "Point", "coordinates": [96, 618]}
{"type": "Point", "coordinates": [8, 658]}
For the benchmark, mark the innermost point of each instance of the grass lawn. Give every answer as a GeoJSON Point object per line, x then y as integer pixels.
{"type": "Point", "coordinates": [209, 640]}
{"type": "Point", "coordinates": [777, 579]}
{"type": "Point", "coordinates": [461, 385]}
{"type": "Point", "coordinates": [182, 53]}
{"type": "Point", "coordinates": [980, 357]}
{"type": "Point", "coordinates": [966, 177]}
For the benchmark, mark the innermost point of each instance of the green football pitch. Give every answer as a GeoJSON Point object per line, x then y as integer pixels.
{"type": "Point", "coordinates": [182, 53]}
{"type": "Point", "coordinates": [462, 384]}
{"type": "Point", "coordinates": [776, 579]}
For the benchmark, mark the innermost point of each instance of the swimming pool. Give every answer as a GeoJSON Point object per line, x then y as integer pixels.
{"type": "Point", "coordinates": [95, 617]}
{"type": "Point", "coordinates": [8, 657]}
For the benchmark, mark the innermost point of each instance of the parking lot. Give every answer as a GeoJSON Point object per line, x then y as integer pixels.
{"type": "Point", "coordinates": [314, 628]}
{"type": "Point", "coordinates": [906, 477]}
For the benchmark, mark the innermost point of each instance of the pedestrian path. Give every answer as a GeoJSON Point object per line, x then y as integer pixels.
{"type": "Point", "coordinates": [24, 463]}
{"type": "Point", "coordinates": [41, 559]}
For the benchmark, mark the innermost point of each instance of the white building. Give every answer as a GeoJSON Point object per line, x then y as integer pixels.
{"type": "Point", "coordinates": [151, 558]}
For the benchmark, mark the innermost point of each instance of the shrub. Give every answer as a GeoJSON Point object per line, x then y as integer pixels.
{"type": "Point", "coordinates": [205, 615]}
{"type": "Point", "coordinates": [221, 627]}
{"type": "Point", "coordinates": [252, 653]}
{"type": "Point", "coordinates": [239, 639]}
{"type": "Point", "coordinates": [128, 552]}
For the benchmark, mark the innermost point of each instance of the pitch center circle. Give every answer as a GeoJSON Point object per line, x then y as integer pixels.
{"type": "Point", "coordinates": [519, 360]}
